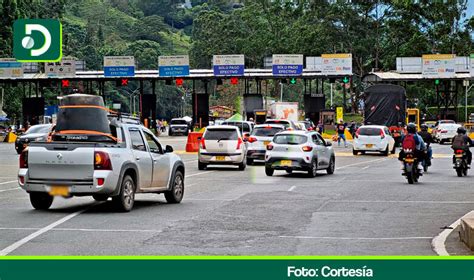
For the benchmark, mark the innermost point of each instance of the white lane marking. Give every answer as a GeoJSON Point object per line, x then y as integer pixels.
{"type": "Point", "coordinates": [439, 242]}
{"type": "Point", "coordinates": [292, 188]}
{"type": "Point", "coordinates": [9, 182]}
{"type": "Point", "coordinates": [197, 174]}
{"type": "Point", "coordinates": [210, 199]}
{"type": "Point", "coordinates": [90, 229]}
{"type": "Point", "coordinates": [359, 163]}
{"type": "Point", "coordinates": [188, 161]}
{"type": "Point", "coordinates": [403, 201]}
{"type": "Point", "coordinates": [366, 167]}
{"type": "Point", "coordinates": [12, 189]}
{"type": "Point", "coordinates": [35, 234]}
{"type": "Point", "coordinates": [357, 238]}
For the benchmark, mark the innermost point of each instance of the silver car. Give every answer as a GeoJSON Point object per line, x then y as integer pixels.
{"type": "Point", "coordinates": [222, 145]}
{"type": "Point", "coordinates": [257, 142]}
{"type": "Point", "coordinates": [299, 150]}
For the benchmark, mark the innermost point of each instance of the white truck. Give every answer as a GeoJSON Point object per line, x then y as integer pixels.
{"type": "Point", "coordinates": [284, 110]}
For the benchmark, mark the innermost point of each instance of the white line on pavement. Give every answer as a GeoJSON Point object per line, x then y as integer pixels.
{"type": "Point", "coordinates": [9, 182]}
{"type": "Point", "coordinates": [362, 162]}
{"type": "Point", "coordinates": [197, 174]}
{"type": "Point", "coordinates": [35, 234]}
{"type": "Point", "coordinates": [188, 161]}
{"type": "Point", "coordinates": [357, 238]}
{"type": "Point", "coordinates": [439, 242]}
{"type": "Point", "coordinates": [90, 229]}
{"type": "Point", "coordinates": [12, 189]}
{"type": "Point", "coordinates": [292, 188]}
{"type": "Point", "coordinates": [403, 201]}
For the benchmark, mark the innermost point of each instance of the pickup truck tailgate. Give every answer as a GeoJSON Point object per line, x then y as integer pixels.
{"type": "Point", "coordinates": [56, 162]}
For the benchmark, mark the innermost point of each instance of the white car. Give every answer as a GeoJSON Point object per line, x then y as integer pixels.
{"type": "Point", "coordinates": [257, 142]}
{"type": "Point", "coordinates": [288, 124]}
{"type": "Point", "coordinates": [446, 132]}
{"type": "Point", "coordinates": [299, 150]}
{"type": "Point", "coordinates": [222, 145]}
{"type": "Point", "coordinates": [373, 138]}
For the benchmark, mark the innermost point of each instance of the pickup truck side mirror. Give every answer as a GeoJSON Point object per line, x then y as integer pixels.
{"type": "Point", "coordinates": [168, 149]}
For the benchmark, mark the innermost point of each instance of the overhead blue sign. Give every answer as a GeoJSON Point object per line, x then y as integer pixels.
{"type": "Point", "coordinates": [287, 70]}
{"type": "Point", "coordinates": [174, 71]}
{"type": "Point", "coordinates": [229, 70]}
{"type": "Point", "coordinates": [10, 64]}
{"type": "Point", "coordinates": [287, 64]}
{"type": "Point", "coordinates": [119, 71]}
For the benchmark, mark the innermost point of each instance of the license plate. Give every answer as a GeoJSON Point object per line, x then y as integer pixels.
{"type": "Point", "coordinates": [369, 145]}
{"type": "Point", "coordinates": [220, 158]}
{"type": "Point", "coordinates": [409, 160]}
{"type": "Point", "coordinates": [59, 191]}
{"type": "Point", "coordinates": [458, 156]}
{"type": "Point", "coordinates": [285, 162]}
{"type": "Point", "coordinates": [265, 143]}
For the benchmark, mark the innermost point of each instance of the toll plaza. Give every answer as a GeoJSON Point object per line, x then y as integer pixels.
{"type": "Point", "coordinates": [252, 83]}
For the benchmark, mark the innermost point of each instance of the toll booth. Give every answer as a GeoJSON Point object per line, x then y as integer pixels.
{"type": "Point", "coordinates": [328, 117]}
{"type": "Point", "coordinates": [260, 116]}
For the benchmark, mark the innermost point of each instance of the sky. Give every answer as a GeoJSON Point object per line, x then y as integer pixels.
{"type": "Point", "coordinates": [470, 8]}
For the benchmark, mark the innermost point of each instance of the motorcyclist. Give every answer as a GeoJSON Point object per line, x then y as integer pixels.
{"type": "Point", "coordinates": [413, 141]}
{"type": "Point", "coordinates": [462, 142]}
{"type": "Point", "coordinates": [428, 139]}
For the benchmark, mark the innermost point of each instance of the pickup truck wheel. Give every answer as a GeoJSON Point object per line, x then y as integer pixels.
{"type": "Point", "coordinates": [41, 201]}
{"type": "Point", "coordinates": [269, 171]}
{"type": "Point", "coordinates": [175, 195]}
{"type": "Point", "coordinates": [100, 197]}
{"type": "Point", "coordinates": [126, 198]}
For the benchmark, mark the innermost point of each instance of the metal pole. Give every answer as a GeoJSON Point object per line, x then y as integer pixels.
{"type": "Point", "coordinates": [281, 92]}
{"type": "Point", "coordinates": [331, 94]}
{"type": "Point", "coordinates": [468, 88]}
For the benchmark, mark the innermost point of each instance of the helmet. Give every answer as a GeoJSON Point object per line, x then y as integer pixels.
{"type": "Point", "coordinates": [424, 127]}
{"type": "Point", "coordinates": [461, 130]}
{"type": "Point", "coordinates": [411, 128]}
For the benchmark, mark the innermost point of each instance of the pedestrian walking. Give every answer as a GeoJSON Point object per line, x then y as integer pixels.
{"type": "Point", "coordinates": [340, 129]}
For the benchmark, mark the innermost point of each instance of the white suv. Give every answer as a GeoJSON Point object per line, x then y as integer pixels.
{"type": "Point", "coordinates": [222, 145]}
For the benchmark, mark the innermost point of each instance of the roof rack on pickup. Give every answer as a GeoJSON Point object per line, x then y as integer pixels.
{"type": "Point", "coordinates": [124, 118]}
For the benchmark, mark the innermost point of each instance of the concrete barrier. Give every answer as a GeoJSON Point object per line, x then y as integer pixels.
{"type": "Point", "coordinates": [466, 231]}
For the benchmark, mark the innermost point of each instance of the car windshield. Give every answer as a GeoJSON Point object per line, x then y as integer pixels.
{"type": "Point", "coordinates": [221, 134]}
{"type": "Point", "coordinates": [286, 124]}
{"type": "Point", "coordinates": [290, 139]}
{"type": "Point", "coordinates": [369, 131]}
{"type": "Point", "coordinates": [267, 131]}
{"type": "Point", "coordinates": [178, 122]}
{"type": "Point", "coordinates": [38, 129]}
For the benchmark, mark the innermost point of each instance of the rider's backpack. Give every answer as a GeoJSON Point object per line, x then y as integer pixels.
{"type": "Point", "coordinates": [409, 142]}
{"type": "Point", "coordinates": [458, 142]}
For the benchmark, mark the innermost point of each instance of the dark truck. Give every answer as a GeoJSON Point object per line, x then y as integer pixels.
{"type": "Point", "coordinates": [385, 104]}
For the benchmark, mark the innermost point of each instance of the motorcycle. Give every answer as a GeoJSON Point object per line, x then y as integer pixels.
{"type": "Point", "coordinates": [410, 167]}
{"type": "Point", "coordinates": [460, 163]}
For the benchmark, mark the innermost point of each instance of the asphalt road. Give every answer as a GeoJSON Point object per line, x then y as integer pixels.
{"type": "Point", "coordinates": [365, 208]}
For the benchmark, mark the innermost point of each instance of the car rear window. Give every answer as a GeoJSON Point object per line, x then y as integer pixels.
{"type": "Point", "coordinates": [449, 126]}
{"type": "Point", "coordinates": [290, 139]}
{"type": "Point", "coordinates": [178, 122]}
{"type": "Point", "coordinates": [369, 131]}
{"type": "Point", "coordinates": [241, 125]}
{"type": "Point", "coordinates": [38, 129]}
{"type": "Point", "coordinates": [267, 131]}
{"type": "Point", "coordinates": [221, 134]}
{"type": "Point", "coordinates": [286, 124]}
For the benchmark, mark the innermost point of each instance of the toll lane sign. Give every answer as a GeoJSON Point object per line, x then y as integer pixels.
{"type": "Point", "coordinates": [64, 68]}
{"type": "Point", "coordinates": [119, 66]}
{"type": "Point", "coordinates": [287, 64]}
{"type": "Point", "coordinates": [336, 64]}
{"type": "Point", "coordinates": [173, 66]}
{"type": "Point", "coordinates": [10, 68]}
{"type": "Point", "coordinates": [229, 65]}
{"type": "Point", "coordinates": [439, 66]}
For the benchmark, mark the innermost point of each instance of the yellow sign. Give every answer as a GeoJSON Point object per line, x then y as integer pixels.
{"type": "Point", "coordinates": [336, 55]}
{"type": "Point", "coordinates": [439, 56]}
{"type": "Point", "coordinates": [339, 114]}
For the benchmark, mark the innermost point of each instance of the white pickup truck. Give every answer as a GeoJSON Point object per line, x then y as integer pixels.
{"type": "Point", "coordinates": [77, 166]}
